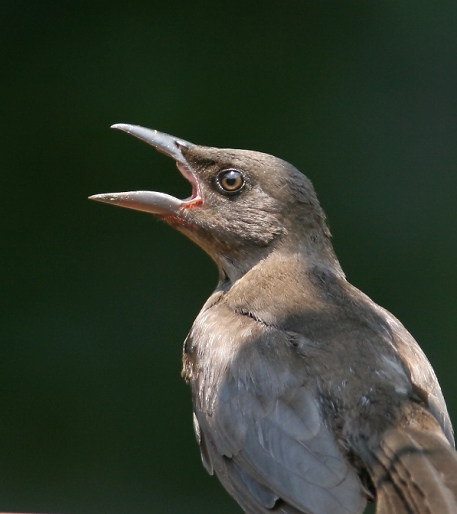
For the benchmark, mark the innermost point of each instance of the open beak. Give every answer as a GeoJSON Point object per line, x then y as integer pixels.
{"type": "Point", "coordinates": [160, 204]}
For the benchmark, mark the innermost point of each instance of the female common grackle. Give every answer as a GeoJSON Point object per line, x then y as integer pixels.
{"type": "Point", "coordinates": [308, 397]}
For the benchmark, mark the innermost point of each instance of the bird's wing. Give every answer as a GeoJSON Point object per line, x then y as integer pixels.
{"type": "Point", "coordinates": [285, 456]}
{"type": "Point", "coordinates": [414, 470]}
{"type": "Point", "coordinates": [262, 431]}
{"type": "Point", "coordinates": [422, 375]}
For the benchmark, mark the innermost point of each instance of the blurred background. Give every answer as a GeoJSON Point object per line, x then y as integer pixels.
{"type": "Point", "coordinates": [96, 301]}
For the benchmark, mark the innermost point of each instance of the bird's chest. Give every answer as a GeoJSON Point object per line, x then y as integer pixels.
{"type": "Point", "coordinates": [228, 351]}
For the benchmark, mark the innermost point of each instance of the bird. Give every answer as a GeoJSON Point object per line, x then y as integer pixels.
{"type": "Point", "coordinates": [307, 396]}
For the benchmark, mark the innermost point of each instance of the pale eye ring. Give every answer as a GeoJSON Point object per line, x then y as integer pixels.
{"type": "Point", "coordinates": [230, 181]}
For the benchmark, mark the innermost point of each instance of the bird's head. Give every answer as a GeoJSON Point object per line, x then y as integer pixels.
{"type": "Point", "coordinates": [243, 203]}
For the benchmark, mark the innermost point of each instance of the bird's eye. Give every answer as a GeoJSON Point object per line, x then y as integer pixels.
{"type": "Point", "coordinates": [230, 181]}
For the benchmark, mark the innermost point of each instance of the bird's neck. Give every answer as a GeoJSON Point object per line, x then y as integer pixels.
{"type": "Point", "coordinates": [290, 255]}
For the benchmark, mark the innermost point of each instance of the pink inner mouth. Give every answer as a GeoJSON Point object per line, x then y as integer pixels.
{"type": "Point", "coordinates": [195, 198]}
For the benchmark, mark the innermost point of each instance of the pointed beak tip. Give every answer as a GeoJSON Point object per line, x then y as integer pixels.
{"type": "Point", "coordinates": [125, 127]}
{"type": "Point", "coordinates": [102, 197]}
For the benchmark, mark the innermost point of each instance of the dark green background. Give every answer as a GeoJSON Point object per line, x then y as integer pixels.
{"type": "Point", "coordinates": [96, 301]}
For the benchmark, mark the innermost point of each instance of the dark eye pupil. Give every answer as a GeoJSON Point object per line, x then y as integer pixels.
{"type": "Point", "coordinates": [231, 180]}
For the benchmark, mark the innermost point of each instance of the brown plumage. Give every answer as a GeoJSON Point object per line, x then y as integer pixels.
{"type": "Point", "coordinates": [308, 397]}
